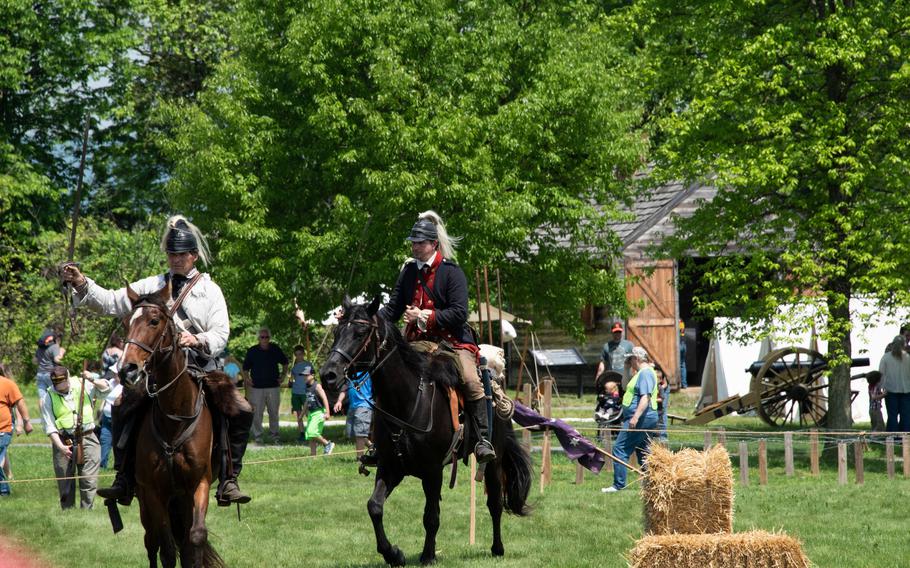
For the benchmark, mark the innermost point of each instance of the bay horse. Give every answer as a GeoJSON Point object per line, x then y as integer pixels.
{"type": "Point", "coordinates": [413, 427]}
{"type": "Point", "coordinates": [174, 444]}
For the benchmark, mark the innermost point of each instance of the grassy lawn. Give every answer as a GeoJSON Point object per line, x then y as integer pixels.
{"type": "Point", "coordinates": [313, 512]}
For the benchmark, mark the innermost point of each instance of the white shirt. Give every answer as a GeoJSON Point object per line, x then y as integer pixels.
{"type": "Point", "coordinates": [421, 264]}
{"type": "Point", "coordinates": [111, 397]}
{"type": "Point", "coordinates": [205, 307]}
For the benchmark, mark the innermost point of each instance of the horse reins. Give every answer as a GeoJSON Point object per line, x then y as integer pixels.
{"type": "Point", "coordinates": [374, 331]}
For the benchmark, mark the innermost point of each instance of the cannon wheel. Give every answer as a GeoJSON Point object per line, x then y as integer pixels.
{"type": "Point", "coordinates": [792, 388]}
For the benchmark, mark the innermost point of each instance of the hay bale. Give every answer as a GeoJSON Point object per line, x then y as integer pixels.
{"type": "Point", "coordinates": [688, 492]}
{"type": "Point", "coordinates": [755, 549]}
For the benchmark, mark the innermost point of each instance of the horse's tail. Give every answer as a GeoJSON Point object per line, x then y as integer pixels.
{"type": "Point", "coordinates": [211, 558]}
{"type": "Point", "coordinates": [515, 464]}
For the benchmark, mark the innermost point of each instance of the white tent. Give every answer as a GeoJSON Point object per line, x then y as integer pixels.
{"type": "Point", "coordinates": [872, 332]}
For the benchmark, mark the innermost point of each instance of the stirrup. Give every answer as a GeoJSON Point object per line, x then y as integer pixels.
{"type": "Point", "coordinates": [121, 491]}
{"type": "Point", "coordinates": [370, 457]}
{"type": "Point", "coordinates": [229, 492]}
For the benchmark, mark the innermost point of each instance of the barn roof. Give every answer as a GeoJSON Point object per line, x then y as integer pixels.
{"type": "Point", "coordinates": [653, 214]}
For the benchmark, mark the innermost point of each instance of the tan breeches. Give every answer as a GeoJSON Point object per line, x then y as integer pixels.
{"type": "Point", "coordinates": [473, 387]}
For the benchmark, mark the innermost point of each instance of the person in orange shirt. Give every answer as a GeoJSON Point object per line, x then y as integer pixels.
{"type": "Point", "coordinates": [10, 398]}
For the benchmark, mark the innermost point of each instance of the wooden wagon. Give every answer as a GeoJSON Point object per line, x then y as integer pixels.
{"type": "Point", "coordinates": [789, 387]}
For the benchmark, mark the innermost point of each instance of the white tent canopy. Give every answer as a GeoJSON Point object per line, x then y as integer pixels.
{"type": "Point", "coordinates": [871, 334]}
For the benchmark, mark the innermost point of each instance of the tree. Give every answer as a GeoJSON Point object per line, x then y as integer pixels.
{"type": "Point", "coordinates": [797, 112]}
{"type": "Point", "coordinates": [314, 146]}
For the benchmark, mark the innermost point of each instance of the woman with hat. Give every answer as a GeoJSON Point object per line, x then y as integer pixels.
{"type": "Point", "coordinates": [202, 321]}
{"type": "Point", "coordinates": [639, 410]}
{"type": "Point", "coordinates": [60, 412]}
{"type": "Point", "coordinates": [432, 295]}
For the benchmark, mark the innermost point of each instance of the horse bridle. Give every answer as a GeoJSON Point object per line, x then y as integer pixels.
{"type": "Point", "coordinates": [375, 366]}
{"type": "Point", "coordinates": [157, 349]}
{"type": "Point", "coordinates": [379, 346]}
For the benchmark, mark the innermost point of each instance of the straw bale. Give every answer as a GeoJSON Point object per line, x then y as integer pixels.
{"type": "Point", "coordinates": [755, 549]}
{"type": "Point", "coordinates": [689, 492]}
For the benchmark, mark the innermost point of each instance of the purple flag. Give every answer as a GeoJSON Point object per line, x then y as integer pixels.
{"type": "Point", "coordinates": [577, 447]}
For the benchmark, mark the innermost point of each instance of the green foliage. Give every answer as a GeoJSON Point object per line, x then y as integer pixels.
{"type": "Point", "coordinates": [314, 146]}
{"type": "Point", "coordinates": [797, 113]}
{"type": "Point", "coordinates": [33, 300]}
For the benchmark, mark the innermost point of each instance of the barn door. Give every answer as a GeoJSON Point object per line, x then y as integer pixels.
{"type": "Point", "coordinates": [655, 326]}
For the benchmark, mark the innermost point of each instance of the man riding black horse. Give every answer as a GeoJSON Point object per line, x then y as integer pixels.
{"type": "Point", "coordinates": [202, 319]}
{"type": "Point", "coordinates": [432, 295]}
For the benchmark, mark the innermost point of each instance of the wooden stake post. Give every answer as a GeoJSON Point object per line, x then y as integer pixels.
{"type": "Point", "coordinates": [546, 465]}
{"type": "Point", "coordinates": [525, 433]}
{"type": "Point", "coordinates": [608, 447]}
{"type": "Point", "coordinates": [744, 463]}
{"type": "Point", "coordinates": [858, 462]}
{"type": "Point", "coordinates": [905, 446]}
{"type": "Point", "coordinates": [762, 462]}
{"type": "Point", "coordinates": [472, 535]}
{"type": "Point", "coordinates": [842, 463]}
{"type": "Point", "coordinates": [813, 451]}
{"type": "Point", "coordinates": [788, 453]}
{"type": "Point", "coordinates": [889, 456]}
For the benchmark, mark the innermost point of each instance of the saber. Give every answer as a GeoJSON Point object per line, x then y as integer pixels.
{"type": "Point", "coordinates": [67, 288]}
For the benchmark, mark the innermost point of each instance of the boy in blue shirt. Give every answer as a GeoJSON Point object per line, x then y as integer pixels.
{"type": "Point", "coordinates": [299, 371]}
{"type": "Point", "coordinates": [360, 413]}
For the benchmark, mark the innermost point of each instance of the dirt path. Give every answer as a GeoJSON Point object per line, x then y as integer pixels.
{"type": "Point", "coordinates": [14, 555]}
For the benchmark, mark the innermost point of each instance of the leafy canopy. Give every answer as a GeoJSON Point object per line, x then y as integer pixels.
{"type": "Point", "coordinates": [312, 148]}
{"type": "Point", "coordinates": [797, 112]}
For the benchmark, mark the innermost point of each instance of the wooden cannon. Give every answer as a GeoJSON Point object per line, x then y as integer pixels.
{"type": "Point", "coordinates": [789, 387]}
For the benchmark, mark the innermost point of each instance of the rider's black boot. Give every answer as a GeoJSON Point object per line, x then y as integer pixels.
{"type": "Point", "coordinates": [122, 424]}
{"type": "Point", "coordinates": [477, 411]}
{"type": "Point", "coordinates": [238, 433]}
{"type": "Point", "coordinates": [370, 457]}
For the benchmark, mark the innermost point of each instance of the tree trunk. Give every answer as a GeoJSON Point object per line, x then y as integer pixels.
{"type": "Point", "coordinates": [840, 351]}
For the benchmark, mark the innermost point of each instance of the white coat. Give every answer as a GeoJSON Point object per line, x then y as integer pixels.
{"type": "Point", "coordinates": [205, 307]}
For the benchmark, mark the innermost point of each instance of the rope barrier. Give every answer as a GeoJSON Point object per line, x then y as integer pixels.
{"type": "Point", "coordinates": [833, 436]}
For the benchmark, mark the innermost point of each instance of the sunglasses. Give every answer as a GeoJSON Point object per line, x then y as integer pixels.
{"type": "Point", "coordinates": [265, 336]}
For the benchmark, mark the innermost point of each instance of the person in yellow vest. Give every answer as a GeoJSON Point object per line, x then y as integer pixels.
{"type": "Point", "coordinates": [60, 411]}
{"type": "Point", "coordinates": [639, 411]}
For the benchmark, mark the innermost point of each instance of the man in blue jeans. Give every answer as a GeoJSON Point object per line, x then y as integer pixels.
{"type": "Point", "coordinates": [639, 410]}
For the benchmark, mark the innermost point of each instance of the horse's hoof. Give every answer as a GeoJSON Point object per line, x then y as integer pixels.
{"type": "Point", "coordinates": [427, 560]}
{"type": "Point", "coordinates": [497, 550]}
{"type": "Point", "coordinates": [395, 557]}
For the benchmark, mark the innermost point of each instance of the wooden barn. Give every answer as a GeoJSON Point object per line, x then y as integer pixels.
{"type": "Point", "coordinates": [655, 326]}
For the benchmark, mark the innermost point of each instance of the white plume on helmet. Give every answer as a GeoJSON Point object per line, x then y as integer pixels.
{"type": "Point", "coordinates": [447, 243]}
{"type": "Point", "coordinates": [202, 243]}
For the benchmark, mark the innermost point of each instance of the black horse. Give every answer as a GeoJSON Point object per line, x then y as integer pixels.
{"type": "Point", "coordinates": [413, 427]}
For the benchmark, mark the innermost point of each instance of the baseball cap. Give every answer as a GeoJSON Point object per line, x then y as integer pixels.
{"type": "Point", "coordinates": [307, 369]}
{"type": "Point", "coordinates": [59, 374]}
{"type": "Point", "coordinates": [639, 353]}
{"type": "Point", "coordinates": [616, 327]}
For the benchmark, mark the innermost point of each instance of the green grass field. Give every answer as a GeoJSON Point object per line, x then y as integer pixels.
{"type": "Point", "coordinates": [313, 512]}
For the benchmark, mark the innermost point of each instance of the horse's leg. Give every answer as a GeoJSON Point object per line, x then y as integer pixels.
{"type": "Point", "coordinates": [381, 491]}
{"type": "Point", "coordinates": [199, 534]}
{"type": "Point", "coordinates": [494, 503]}
{"type": "Point", "coordinates": [432, 487]}
{"type": "Point", "coordinates": [153, 515]}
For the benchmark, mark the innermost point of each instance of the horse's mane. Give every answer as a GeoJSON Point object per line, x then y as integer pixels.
{"type": "Point", "coordinates": [440, 369]}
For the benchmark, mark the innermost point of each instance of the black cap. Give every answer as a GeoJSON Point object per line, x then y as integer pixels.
{"type": "Point", "coordinates": [181, 239]}
{"type": "Point", "coordinates": [423, 230]}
